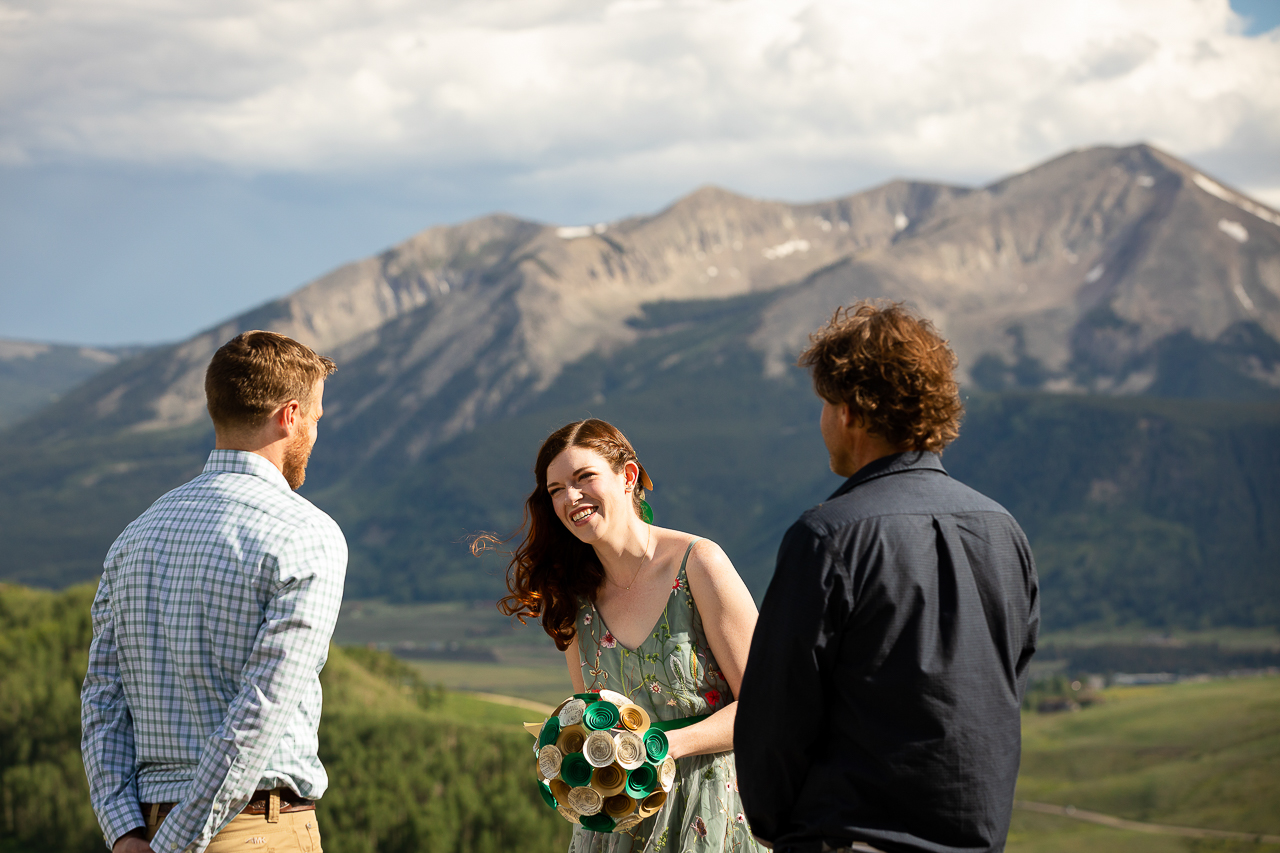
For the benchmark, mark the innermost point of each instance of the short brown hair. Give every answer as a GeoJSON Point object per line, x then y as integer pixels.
{"type": "Point", "coordinates": [893, 369]}
{"type": "Point", "coordinates": [257, 372]}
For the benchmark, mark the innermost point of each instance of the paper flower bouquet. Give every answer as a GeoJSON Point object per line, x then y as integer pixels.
{"type": "Point", "coordinates": [601, 761]}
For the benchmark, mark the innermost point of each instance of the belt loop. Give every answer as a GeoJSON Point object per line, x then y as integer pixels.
{"type": "Point", "coordinates": [155, 814]}
{"type": "Point", "coordinates": [273, 806]}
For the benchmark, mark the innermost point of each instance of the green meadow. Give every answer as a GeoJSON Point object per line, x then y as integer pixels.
{"type": "Point", "coordinates": [1203, 755]}
{"type": "Point", "coordinates": [418, 764]}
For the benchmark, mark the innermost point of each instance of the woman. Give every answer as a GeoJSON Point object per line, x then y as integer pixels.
{"type": "Point", "coordinates": [658, 615]}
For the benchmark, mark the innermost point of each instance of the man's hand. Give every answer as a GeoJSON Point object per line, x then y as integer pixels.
{"type": "Point", "coordinates": [133, 841]}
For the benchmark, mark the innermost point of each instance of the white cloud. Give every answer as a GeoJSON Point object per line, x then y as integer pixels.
{"type": "Point", "coordinates": [556, 91]}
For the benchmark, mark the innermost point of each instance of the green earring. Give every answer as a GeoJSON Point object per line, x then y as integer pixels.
{"type": "Point", "coordinates": [646, 512]}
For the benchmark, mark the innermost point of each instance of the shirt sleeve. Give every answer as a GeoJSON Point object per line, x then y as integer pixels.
{"type": "Point", "coordinates": [1032, 581]}
{"type": "Point", "coordinates": [106, 741]}
{"type": "Point", "coordinates": [303, 598]}
{"type": "Point", "coordinates": [783, 696]}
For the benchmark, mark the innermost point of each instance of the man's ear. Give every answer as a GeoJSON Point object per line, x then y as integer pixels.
{"type": "Point", "coordinates": [848, 417]}
{"type": "Point", "coordinates": [288, 417]}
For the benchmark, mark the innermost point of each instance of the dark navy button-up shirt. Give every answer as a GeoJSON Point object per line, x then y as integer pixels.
{"type": "Point", "coordinates": [882, 694]}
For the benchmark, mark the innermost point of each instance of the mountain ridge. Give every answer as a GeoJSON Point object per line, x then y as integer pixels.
{"type": "Point", "coordinates": [1105, 272]}
{"type": "Point", "coordinates": [1067, 261]}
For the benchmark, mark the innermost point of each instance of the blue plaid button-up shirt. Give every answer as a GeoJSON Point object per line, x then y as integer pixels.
{"type": "Point", "coordinates": [210, 628]}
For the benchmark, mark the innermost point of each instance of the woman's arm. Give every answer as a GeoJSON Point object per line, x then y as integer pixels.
{"type": "Point", "coordinates": [574, 660]}
{"type": "Point", "coordinates": [729, 618]}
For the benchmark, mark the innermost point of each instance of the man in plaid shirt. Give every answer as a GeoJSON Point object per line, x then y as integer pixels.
{"type": "Point", "coordinates": [211, 625]}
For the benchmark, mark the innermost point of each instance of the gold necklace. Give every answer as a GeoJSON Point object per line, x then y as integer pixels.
{"type": "Point", "coordinates": [643, 557]}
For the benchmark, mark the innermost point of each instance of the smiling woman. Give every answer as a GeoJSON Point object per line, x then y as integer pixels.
{"type": "Point", "coordinates": [658, 615]}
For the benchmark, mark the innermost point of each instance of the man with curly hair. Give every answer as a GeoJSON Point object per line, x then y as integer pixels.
{"type": "Point", "coordinates": [880, 705]}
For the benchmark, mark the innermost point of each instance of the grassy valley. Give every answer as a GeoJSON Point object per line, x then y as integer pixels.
{"type": "Point", "coordinates": [415, 767]}
{"type": "Point", "coordinates": [1194, 755]}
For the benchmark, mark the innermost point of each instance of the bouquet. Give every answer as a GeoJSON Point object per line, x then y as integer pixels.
{"type": "Point", "coordinates": [602, 763]}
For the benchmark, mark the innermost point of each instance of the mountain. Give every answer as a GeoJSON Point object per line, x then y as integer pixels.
{"type": "Point", "coordinates": [1105, 273]}
{"type": "Point", "coordinates": [33, 375]}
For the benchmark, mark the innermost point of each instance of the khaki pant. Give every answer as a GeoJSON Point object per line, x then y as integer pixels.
{"type": "Point", "coordinates": [295, 832]}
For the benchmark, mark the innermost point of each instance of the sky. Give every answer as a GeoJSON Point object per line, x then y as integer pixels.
{"type": "Point", "coordinates": [166, 164]}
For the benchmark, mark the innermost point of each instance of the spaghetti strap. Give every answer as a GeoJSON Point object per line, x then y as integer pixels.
{"type": "Point", "coordinates": [687, 552]}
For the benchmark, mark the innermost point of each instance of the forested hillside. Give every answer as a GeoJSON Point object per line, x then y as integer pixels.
{"type": "Point", "coordinates": [1140, 510]}
{"type": "Point", "coordinates": [1115, 313]}
{"type": "Point", "coordinates": [404, 777]}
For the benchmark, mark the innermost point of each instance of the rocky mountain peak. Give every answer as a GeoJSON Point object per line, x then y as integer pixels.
{"type": "Point", "coordinates": [1065, 277]}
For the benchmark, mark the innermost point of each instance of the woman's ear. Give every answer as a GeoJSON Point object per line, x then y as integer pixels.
{"type": "Point", "coordinates": [631, 474]}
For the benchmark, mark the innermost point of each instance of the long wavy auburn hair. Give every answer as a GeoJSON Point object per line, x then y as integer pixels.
{"type": "Point", "coordinates": [552, 569]}
{"type": "Point", "coordinates": [893, 369]}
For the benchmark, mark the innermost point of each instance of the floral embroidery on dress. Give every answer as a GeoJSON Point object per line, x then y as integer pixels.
{"type": "Point", "coordinates": [672, 674]}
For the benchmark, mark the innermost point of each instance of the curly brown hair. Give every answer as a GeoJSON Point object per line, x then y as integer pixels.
{"type": "Point", "coordinates": [893, 369]}
{"type": "Point", "coordinates": [552, 569]}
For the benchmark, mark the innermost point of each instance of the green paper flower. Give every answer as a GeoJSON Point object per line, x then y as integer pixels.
{"type": "Point", "coordinates": [598, 822]}
{"type": "Point", "coordinates": [550, 731]}
{"type": "Point", "coordinates": [641, 782]}
{"type": "Point", "coordinates": [655, 745]}
{"type": "Point", "coordinates": [600, 716]}
{"type": "Point", "coordinates": [576, 770]}
{"type": "Point", "coordinates": [547, 797]}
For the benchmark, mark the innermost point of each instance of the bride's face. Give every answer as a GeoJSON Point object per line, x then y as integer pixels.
{"type": "Point", "coordinates": [588, 496]}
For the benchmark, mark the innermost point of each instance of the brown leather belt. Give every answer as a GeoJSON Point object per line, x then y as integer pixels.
{"type": "Point", "coordinates": [258, 805]}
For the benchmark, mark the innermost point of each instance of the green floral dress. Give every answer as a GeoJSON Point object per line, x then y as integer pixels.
{"type": "Point", "coordinates": [672, 674]}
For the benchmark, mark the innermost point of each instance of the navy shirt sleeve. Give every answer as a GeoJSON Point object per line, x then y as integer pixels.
{"type": "Point", "coordinates": [783, 688]}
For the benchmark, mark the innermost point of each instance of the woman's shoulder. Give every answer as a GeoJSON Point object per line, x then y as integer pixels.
{"type": "Point", "coordinates": [697, 555]}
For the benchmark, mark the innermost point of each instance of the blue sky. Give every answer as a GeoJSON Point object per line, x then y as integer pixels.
{"type": "Point", "coordinates": [166, 164]}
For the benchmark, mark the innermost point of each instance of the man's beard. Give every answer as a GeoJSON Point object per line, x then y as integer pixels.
{"type": "Point", "coordinates": [295, 460]}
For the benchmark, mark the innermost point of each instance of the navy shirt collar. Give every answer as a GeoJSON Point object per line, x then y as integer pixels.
{"type": "Point", "coordinates": [897, 463]}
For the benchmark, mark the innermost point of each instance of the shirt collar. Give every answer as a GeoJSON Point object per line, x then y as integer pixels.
{"type": "Point", "coordinates": [245, 462]}
{"type": "Point", "coordinates": [897, 463]}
